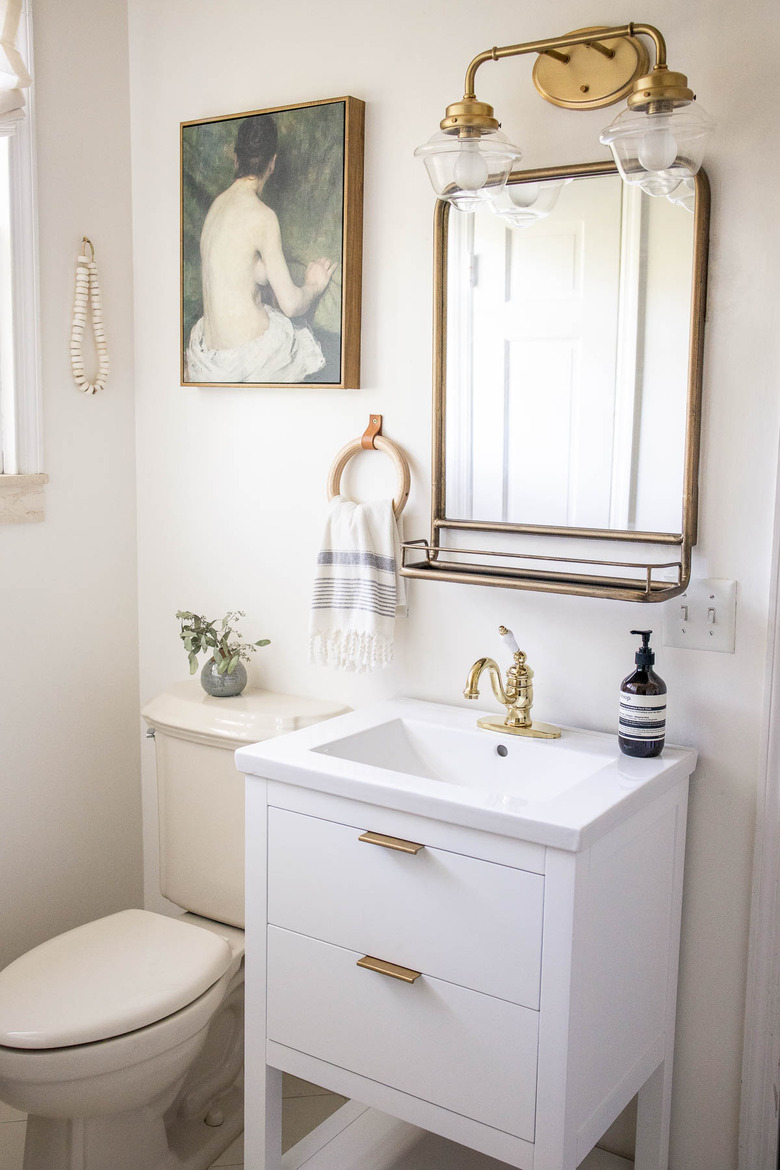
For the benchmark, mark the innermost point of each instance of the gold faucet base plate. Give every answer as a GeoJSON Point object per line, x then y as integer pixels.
{"type": "Point", "coordinates": [533, 731]}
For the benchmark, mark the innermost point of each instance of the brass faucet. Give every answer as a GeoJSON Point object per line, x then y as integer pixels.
{"type": "Point", "coordinates": [517, 696]}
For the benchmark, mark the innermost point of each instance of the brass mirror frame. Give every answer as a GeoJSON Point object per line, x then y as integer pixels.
{"type": "Point", "coordinates": [518, 571]}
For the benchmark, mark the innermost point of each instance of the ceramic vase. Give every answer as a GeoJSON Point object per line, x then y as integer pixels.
{"type": "Point", "coordinates": [222, 686]}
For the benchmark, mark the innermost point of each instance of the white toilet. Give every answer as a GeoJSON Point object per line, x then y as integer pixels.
{"type": "Point", "coordinates": [123, 1039]}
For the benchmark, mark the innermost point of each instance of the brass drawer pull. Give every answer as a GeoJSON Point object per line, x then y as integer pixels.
{"type": "Point", "coordinates": [391, 969]}
{"type": "Point", "coordinates": [396, 843]}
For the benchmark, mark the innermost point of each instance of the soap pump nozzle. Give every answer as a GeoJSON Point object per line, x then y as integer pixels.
{"type": "Point", "coordinates": [644, 656]}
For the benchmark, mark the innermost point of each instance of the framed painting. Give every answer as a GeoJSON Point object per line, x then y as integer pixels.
{"type": "Point", "coordinates": [271, 247]}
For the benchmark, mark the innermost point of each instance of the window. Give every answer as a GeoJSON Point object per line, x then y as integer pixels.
{"type": "Point", "coordinates": [20, 430]}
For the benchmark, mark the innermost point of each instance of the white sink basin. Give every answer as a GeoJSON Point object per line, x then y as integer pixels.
{"type": "Point", "coordinates": [433, 760]}
{"type": "Point", "coordinates": [532, 769]}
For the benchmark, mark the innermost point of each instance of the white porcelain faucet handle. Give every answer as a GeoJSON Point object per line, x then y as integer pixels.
{"type": "Point", "coordinates": [510, 639]}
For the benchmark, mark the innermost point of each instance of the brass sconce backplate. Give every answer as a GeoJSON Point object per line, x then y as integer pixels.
{"type": "Point", "coordinates": [587, 77]}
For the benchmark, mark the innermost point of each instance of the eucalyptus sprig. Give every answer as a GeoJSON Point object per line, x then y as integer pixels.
{"type": "Point", "coordinates": [199, 634]}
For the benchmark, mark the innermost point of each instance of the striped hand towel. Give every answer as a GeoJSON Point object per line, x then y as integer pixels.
{"type": "Point", "coordinates": [356, 587]}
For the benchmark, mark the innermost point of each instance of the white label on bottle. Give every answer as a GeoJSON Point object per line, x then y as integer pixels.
{"type": "Point", "coordinates": [642, 716]}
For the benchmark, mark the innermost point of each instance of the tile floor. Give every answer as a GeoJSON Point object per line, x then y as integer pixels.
{"type": "Point", "coordinates": [305, 1106]}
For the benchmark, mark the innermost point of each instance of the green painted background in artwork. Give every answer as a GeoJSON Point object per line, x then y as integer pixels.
{"type": "Point", "coordinates": [305, 190]}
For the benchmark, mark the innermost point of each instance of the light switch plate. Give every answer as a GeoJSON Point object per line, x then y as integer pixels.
{"type": "Point", "coordinates": [704, 617]}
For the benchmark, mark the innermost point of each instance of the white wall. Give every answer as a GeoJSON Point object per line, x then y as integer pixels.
{"type": "Point", "coordinates": [68, 686]}
{"type": "Point", "coordinates": [231, 481]}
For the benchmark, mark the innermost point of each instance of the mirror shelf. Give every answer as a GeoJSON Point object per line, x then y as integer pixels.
{"type": "Point", "coordinates": [510, 533]}
{"type": "Point", "coordinates": [584, 577]}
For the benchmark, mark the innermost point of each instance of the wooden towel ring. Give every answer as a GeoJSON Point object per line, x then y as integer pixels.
{"type": "Point", "coordinates": [381, 444]}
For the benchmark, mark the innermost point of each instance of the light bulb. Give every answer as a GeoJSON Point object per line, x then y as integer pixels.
{"type": "Point", "coordinates": [524, 194]}
{"type": "Point", "coordinates": [471, 170]}
{"type": "Point", "coordinates": [657, 148]}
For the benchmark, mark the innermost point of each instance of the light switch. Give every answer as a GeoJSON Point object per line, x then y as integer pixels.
{"type": "Point", "coordinates": [703, 617]}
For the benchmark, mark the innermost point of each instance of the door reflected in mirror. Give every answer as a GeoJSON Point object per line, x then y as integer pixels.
{"type": "Point", "coordinates": [567, 367]}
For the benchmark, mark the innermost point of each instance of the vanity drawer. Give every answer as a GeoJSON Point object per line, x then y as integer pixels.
{"type": "Point", "coordinates": [466, 1052]}
{"type": "Point", "coordinates": [468, 921]}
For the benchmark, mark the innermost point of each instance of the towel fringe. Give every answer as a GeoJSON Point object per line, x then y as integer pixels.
{"type": "Point", "coordinates": [350, 649]}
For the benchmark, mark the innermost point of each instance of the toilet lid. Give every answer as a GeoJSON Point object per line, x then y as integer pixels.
{"type": "Point", "coordinates": [106, 978]}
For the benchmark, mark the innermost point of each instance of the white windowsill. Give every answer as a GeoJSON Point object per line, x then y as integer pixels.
{"type": "Point", "coordinates": [22, 498]}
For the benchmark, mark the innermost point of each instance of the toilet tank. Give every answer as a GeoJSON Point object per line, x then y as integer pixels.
{"type": "Point", "coordinates": [200, 792]}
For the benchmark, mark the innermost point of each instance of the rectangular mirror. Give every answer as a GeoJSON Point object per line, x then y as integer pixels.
{"type": "Point", "coordinates": [567, 372]}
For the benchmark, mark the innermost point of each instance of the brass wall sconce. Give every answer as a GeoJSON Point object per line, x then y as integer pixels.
{"type": "Point", "coordinates": [657, 142]}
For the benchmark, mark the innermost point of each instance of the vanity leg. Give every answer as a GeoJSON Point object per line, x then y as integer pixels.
{"type": "Point", "coordinates": [263, 1093]}
{"type": "Point", "coordinates": [263, 1124]}
{"type": "Point", "coordinates": [653, 1115]}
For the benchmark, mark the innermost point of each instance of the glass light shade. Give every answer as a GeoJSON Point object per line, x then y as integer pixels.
{"type": "Point", "coordinates": [521, 204]}
{"type": "Point", "coordinates": [684, 195]}
{"type": "Point", "coordinates": [659, 149]}
{"type": "Point", "coordinates": [659, 184]}
{"type": "Point", "coordinates": [466, 171]}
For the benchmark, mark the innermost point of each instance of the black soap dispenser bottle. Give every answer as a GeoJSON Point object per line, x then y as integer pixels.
{"type": "Point", "coordinates": [642, 720]}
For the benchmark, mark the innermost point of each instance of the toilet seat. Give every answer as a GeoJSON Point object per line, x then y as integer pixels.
{"type": "Point", "coordinates": [107, 978]}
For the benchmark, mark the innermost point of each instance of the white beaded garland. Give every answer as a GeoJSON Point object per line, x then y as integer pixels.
{"type": "Point", "coordinates": [88, 289]}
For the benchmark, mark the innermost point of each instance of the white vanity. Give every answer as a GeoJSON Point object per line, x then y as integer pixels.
{"type": "Point", "coordinates": [475, 934]}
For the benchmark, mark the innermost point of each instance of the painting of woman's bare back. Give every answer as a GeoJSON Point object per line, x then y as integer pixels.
{"type": "Point", "coordinates": [271, 247]}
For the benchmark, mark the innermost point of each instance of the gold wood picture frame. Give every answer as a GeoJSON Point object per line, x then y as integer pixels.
{"type": "Point", "coordinates": [272, 247]}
